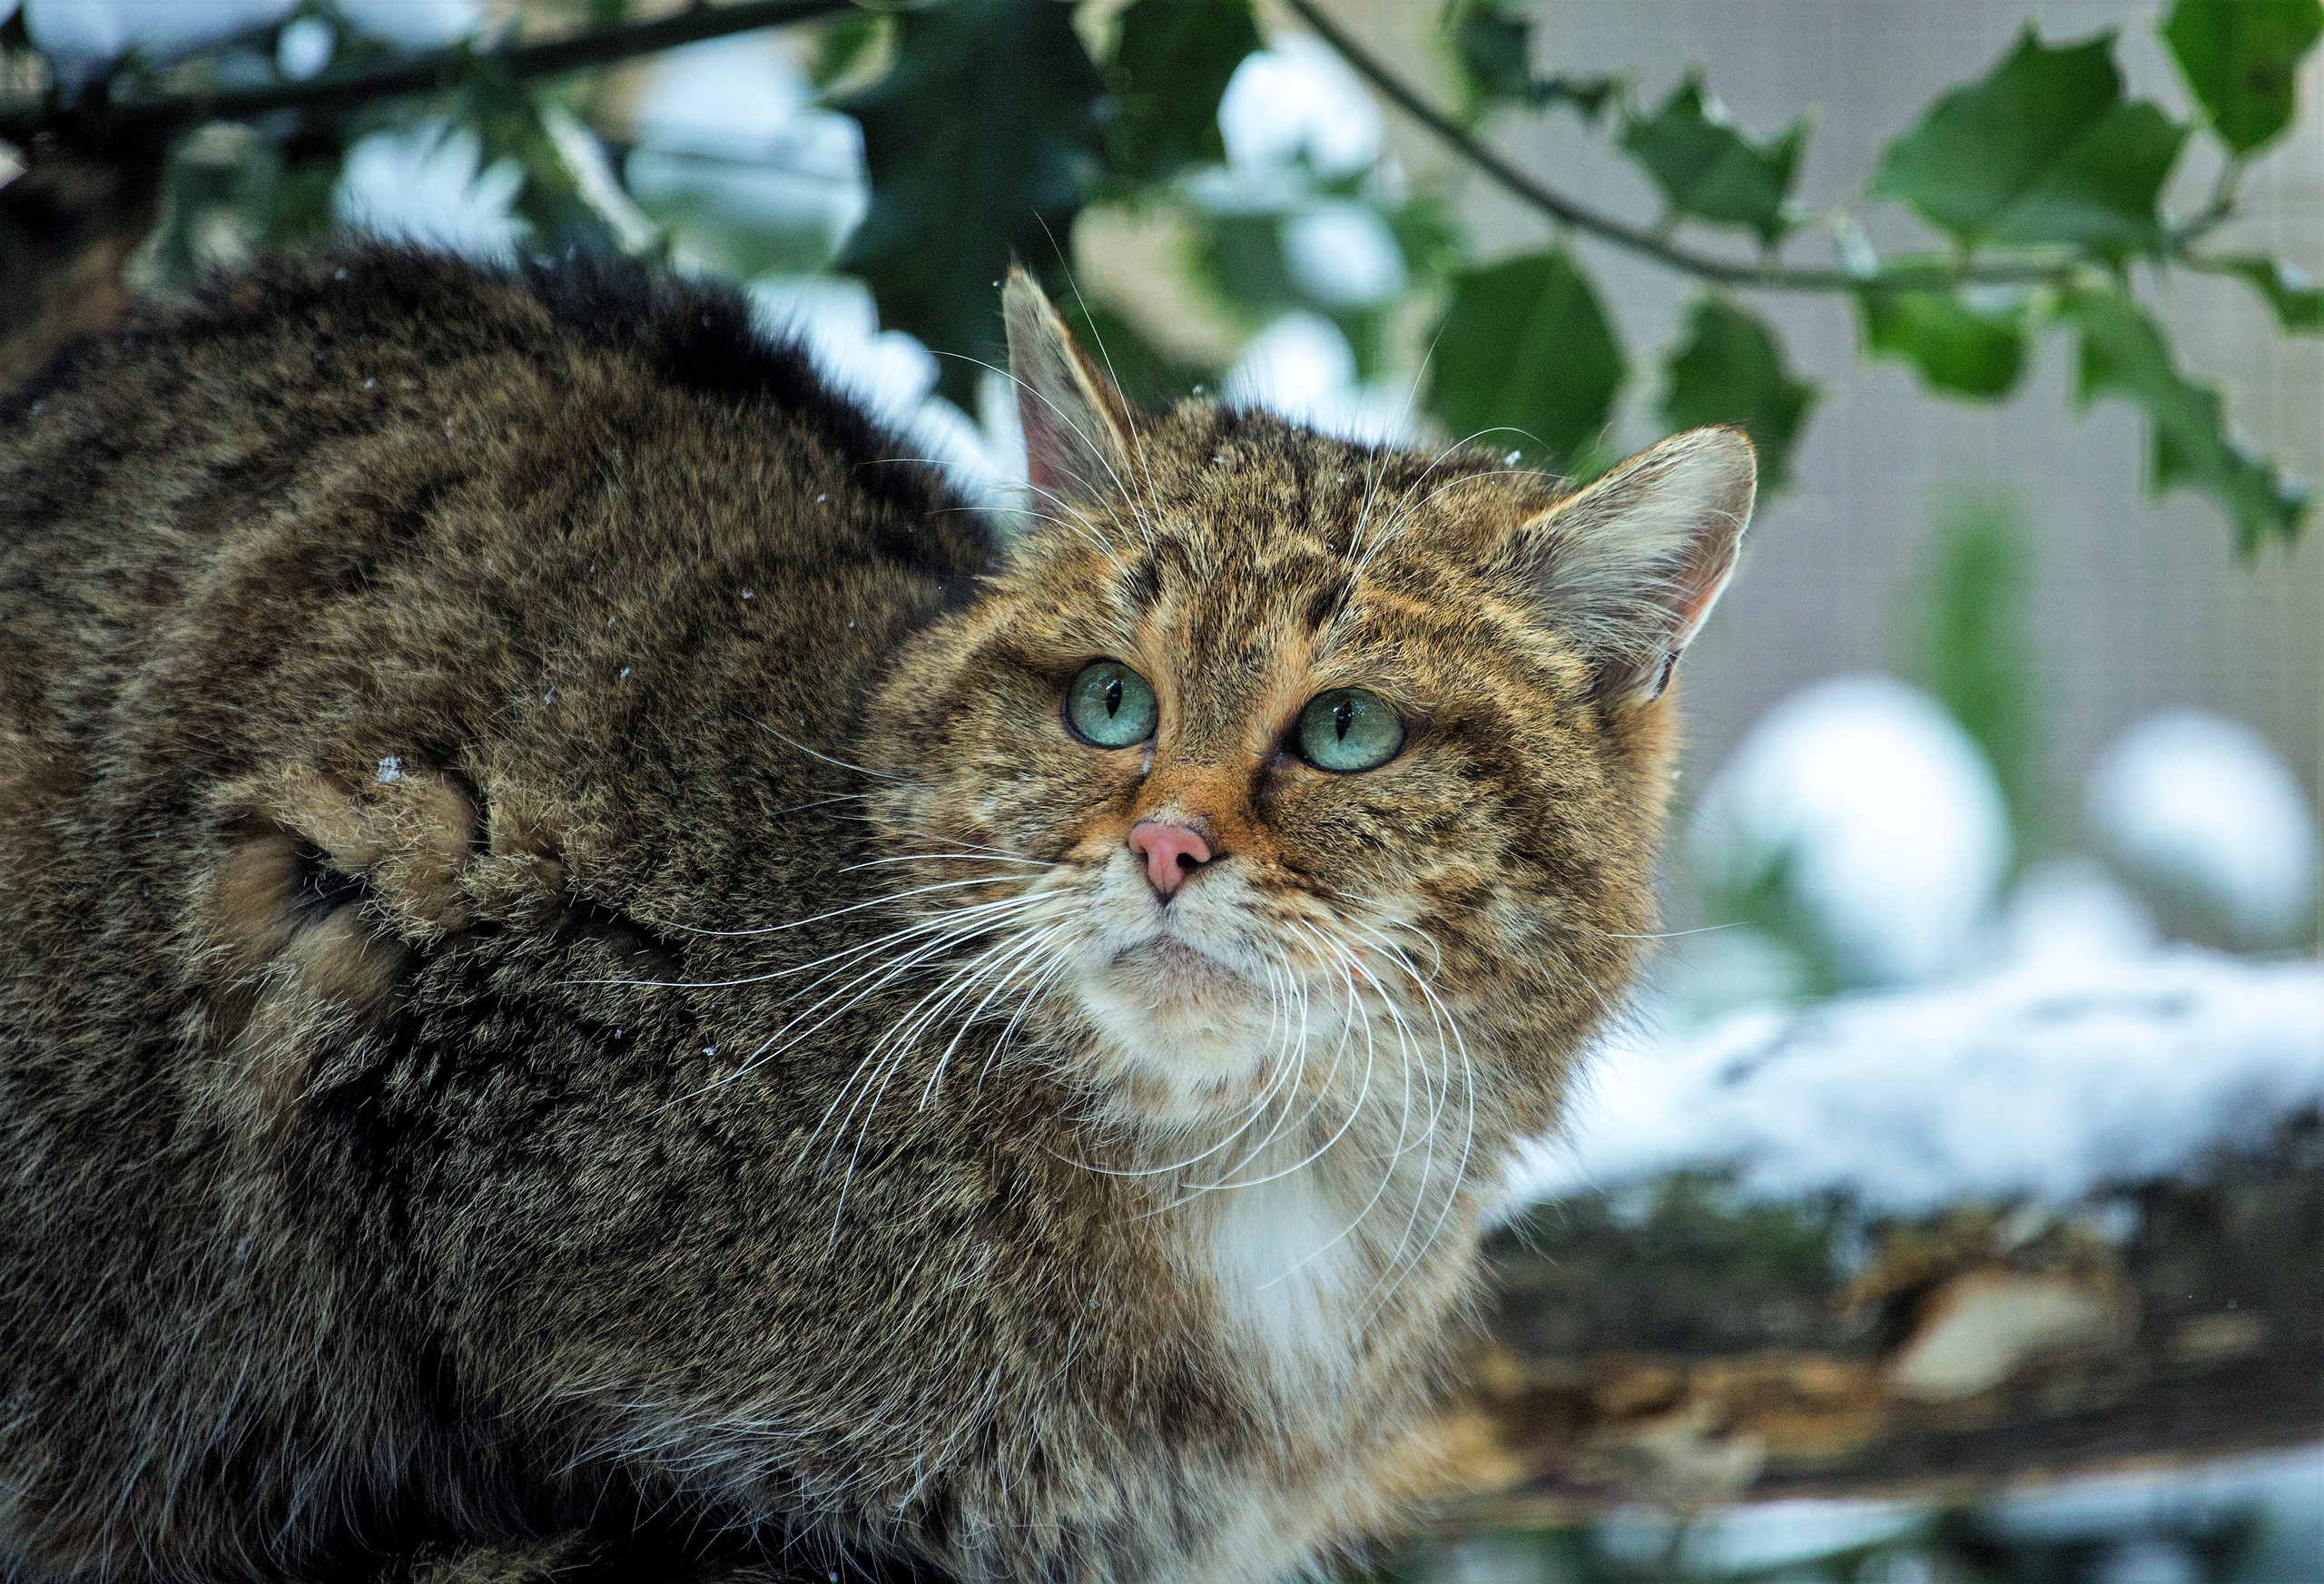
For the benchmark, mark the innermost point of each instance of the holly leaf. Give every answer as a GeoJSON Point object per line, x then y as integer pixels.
{"type": "Point", "coordinates": [1171, 61]}
{"type": "Point", "coordinates": [2043, 150]}
{"type": "Point", "coordinates": [1491, 47]}
{"type": "Point", "coordinates": [981, 142]}
{"type": "Point", "coordinates": [1730, 370]}
{"type": "Point", "coordinates": [2297, 300]}
{"type": "Point", "coordinates": [2242, 57]}
{"type": "Point", "coordinates": [1524, 348]}
{"type": "Point", "coordinates": [1971, 352]}
{"type": "Point", "coordinates": [843, 47]}
{"type": "Point", "coordinates": [1707, 169]}
{"type": "Point", "coordinates": [2125, 354]}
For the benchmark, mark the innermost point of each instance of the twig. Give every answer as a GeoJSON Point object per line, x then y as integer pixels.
{"type": "Point", "coordinates": [1773, 277]}
{"type": "Point", "coordinates": [420, 73]}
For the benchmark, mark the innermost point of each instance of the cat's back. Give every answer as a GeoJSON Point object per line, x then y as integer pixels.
{"type": "Point", "coordinates": [367, 604]}
{"type": "Point", "coordinates": [320, 427]}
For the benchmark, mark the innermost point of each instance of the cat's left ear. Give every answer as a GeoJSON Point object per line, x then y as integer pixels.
{"type": "Point", "coordinates": [1630, 567]}
{"type": "Point", "coordinates": [1077, 427]}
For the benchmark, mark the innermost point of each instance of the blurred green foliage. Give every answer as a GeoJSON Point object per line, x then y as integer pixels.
{"type": "Point", "coordinates": [1971, 645]}
{"type": "Point", "coordinates": [989, 126]}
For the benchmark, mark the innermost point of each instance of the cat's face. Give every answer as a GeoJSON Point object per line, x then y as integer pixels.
{"type": "Point", "coordinates": [1281, 757]}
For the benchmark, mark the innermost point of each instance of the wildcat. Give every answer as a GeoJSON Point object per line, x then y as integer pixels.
{"type": "Point", "coordinates": [585, 951]}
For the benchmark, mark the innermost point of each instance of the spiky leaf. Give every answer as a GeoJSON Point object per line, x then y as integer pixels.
{"type": "Point", "coordinates": [1524, 354]}
{"type": "Point", "coordinates": [1171, 61]}
{"type": "Point", "coordinates": [1730, 370]}
{"type": "Point", "coordinates": [2242, 57]}
{"type": "Point", "coordinates": [2044, 148]}
{"type": "Point", "coordinates": [1707, 169]}
{"type": "Point", "coordinates": [2290, 290]}
{"type": "Point", "coordinates": [2125, 354]}
{"type": "Point", "coordinates": [1974, 351]}
{"type": "Point", "coordinates": [981, 142]}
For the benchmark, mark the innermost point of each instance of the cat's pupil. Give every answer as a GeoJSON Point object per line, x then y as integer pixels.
{"type": "Point", "coordinates": [1343, 717]}
{"type": "Point", "coordinates": [1113, 696]}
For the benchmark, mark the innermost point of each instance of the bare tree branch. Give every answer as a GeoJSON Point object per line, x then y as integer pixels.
{"type": "Point", "coordinates": [1768, 276]}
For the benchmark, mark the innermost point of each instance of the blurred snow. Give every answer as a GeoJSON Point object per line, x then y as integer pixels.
{"type": "Point", "coordinates": [1890, 821]}
{"type": "Point", "coordinates": [414, 24]}
{"type": "Point", "coordinates": [888, 373]}
{"type": "Point", "coordinates": [1755, 1538]}
{"type": "Point", "coordinates": [1298, 101]}
{"type": "Point", "coordinates": [304, 47]}
{"type": "Point", "coordinates": [1343, 255]}
{"type": "Point", "coordinates": [1301, 367]}
{"type": "Point", "coordinates": [2073, 907]}
{"type": "Point", "coordinates": [2205, 811]}
{"type": "Point", "coordinates": [728, 144]}
{"type": "Point", "coordinates": [2041, 1080]}
{"type": "Point", "coordinates": [423, 185]}
{"type": "Point", "coordinates": [82, 37]}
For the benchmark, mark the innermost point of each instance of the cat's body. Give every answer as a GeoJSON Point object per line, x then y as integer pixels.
{"type": "Point", "coordinates": [469, 1066]}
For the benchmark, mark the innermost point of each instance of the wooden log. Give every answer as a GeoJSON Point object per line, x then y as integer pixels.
{"type": "Point", "coordinates": [1680, 1346]}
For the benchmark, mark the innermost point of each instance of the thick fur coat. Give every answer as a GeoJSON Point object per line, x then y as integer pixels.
{"type": "Point", "coordinates": [563, 973]}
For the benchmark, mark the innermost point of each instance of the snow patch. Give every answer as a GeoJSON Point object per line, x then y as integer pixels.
{"type": "Point", "coordinates": [1298, 101]}
{"type": "Point", "coordinates": [1302, 368]}
{"type": "Point", "coordinates": [2205, 811]}
{"type": "Point", "coordinates": [1343, 255]}
{"type": "Point", "coordinates": [414, 24]}
{"type": "Point", "coordinates": [887, 373]}
{"type": "Point", "coordinates": [1891, 825]}
{"type": "Point", "coordinates": [82, 37]}
{"type": "Point", "coordinates": [2043, 1080]}
{"type": "Point", "coordinates": [424, 186]}
{"type": "Point", "coordinates": [730, 142]}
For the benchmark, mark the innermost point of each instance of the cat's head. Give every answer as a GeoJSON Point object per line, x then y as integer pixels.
{"type": "Point", "coordinates": [1266, 746]}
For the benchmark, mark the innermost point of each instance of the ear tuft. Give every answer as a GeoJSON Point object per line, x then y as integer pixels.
{"type": "Point", "coordinates": [1075, 422]}
{"type": "Point", "coordinates": [1631, 565]}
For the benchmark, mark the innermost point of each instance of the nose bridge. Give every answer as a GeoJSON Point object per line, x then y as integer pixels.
{"type": "Point", "coordinates": [1205, 794]}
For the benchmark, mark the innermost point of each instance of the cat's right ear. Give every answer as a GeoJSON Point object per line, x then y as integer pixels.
{"type": "Point", "coordinates": [1630, 567]}
{"type": "Point", "coordinates": [1077, 428]}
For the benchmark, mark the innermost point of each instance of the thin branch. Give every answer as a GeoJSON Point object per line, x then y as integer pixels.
{"type": "Point", "coordinates": [423, 74]}
{"type": "Point", "coordinates": [1653, 245]}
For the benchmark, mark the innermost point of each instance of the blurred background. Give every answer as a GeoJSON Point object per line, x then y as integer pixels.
{"type": "Point", "coordinates": [1949, 1204]}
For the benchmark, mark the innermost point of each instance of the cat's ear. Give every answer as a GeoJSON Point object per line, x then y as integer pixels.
{"type": "Point", "coordinates": [1631, 565]}
{"type": "Point", "coordinates": [1075, 426]}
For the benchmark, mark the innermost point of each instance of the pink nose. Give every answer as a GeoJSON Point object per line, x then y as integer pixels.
{"type": "Point", "coordinates": [1172, 853]}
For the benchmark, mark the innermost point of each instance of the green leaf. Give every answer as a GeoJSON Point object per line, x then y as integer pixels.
{"type": "Point", "coordinates": [2242, 57]}
{"type": "Point", "coordinates": [1171, 61]}
{"type": "Point", "coordinates": [2043, 150]}
{"type": "Point", "coordinates": [2124, 353]}
{"type": "Point", "coordinates": [1730, 371]}
{"type": "Point", "coordinates": [1524, 346]}
{"type": "Point", "coordinates": [843, 47]}
{"type": "Point", "coordinates": [981, 144]}
{"type": "Point", "coordinates": [1973, 644]}
{"type": "Point", "coordinates": [1491, 50]}
{"type": "Point", "coordinates": [1709, 169]}
{"type": "Point", "coordinates": [2297, 300]}
{"type": "Point", "coordinates": [1492, 44]}
{"type": "Point", "coordinates": [1970, 351]}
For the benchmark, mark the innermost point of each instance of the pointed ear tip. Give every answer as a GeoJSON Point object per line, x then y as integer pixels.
{"type": "Point", "coordinates": [1729, 443]}
{"type": "Point", "coordinates": [1020, 292]}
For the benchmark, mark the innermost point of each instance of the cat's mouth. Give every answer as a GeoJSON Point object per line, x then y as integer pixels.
{"type": "Point", "coordinates": [1177, 967]}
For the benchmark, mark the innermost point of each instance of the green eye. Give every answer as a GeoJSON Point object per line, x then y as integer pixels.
{"type": "Point", "coordinates": [1110, 705]}
{"type": "Point", "coordinates": [1348, 729]}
